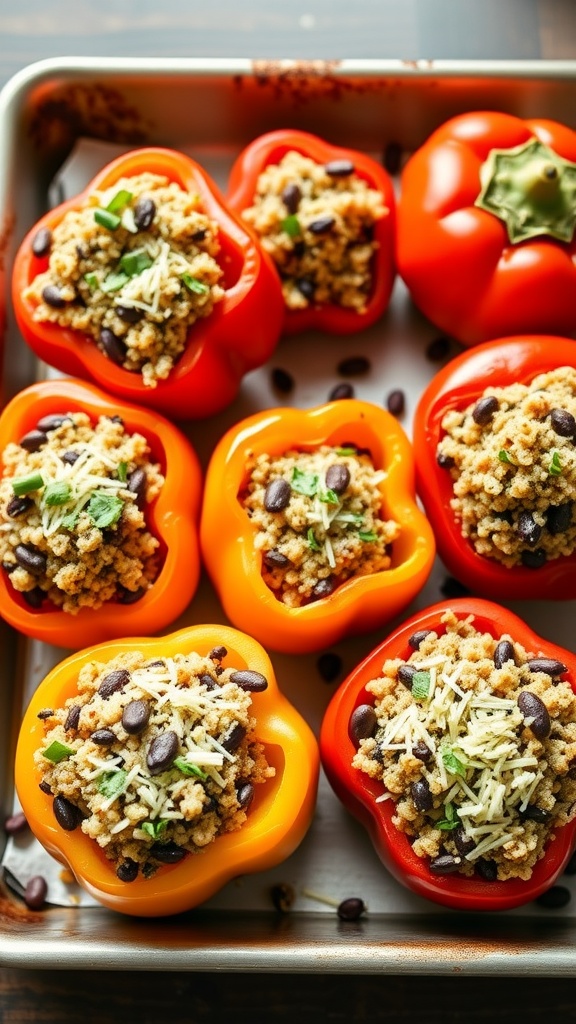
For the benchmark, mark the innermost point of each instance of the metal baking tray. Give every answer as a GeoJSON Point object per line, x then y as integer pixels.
{"type": "Point", "coordinates": [50, 113]}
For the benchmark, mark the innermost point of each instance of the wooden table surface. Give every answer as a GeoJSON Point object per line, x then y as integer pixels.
{"type": "Point", "coordinates": [31, 30]}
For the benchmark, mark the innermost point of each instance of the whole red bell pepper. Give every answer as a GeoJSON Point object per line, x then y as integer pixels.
{"type": "Point", "coordinates": [499, 363]}
{"type": "Point", "coordinates": [359, 792]}
{"type": "Point", "coordinates": [234, 338]}
{"type": "Point", "coordinates": [486, 218]}
{"type": "Point", "coordinates": [268, 150]}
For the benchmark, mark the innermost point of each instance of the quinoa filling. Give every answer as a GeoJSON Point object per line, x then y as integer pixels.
{"type": "Point", "coordinates": [154, 760]}
{"type": "Point", "coordinates": [474, 740]}
{"type": "Point", "coordinates": [73, 499]}
{"type": "Point", "coordinates": [317, 517]}
{"type": "Point", "coordinates": [317, 223]}
{"type": "Point", "coordinates": [512, 459]}
{"type": "Point", "coordinates": [134, 268]}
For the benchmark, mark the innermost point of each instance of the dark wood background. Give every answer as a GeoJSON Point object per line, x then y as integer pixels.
{"type": "Point", "coordinates": [31, 30]}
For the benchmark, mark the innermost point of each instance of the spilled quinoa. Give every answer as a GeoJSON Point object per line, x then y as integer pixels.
{"type": "Point", "coordinates": [154, 759]}
{"type": "Point", "coordinates": [133, 269]}
{"type": "Point", "coordinates": [317, 517]}
{"type": "Point", "coordinates": [512, 459]}
{"type": "Point", "coordinates": [73, 498]}
{"type": "Point", "coordinates": [474, 740]}
{"type": "Point", "coordinates": [317, 223]}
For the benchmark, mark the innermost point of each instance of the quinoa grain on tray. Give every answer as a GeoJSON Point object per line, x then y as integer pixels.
{"type": "Point", "coordinates": [316, 221]}
{"type": "Point", "coordinates": [72, 512]}
{"type": "Point", "coordinates": [512, 458]}
{"type": "Point", "coordinates": [133, 268]}
{"type": "Point", "coordinates": [318, 520]}
{"type": "Point", "coordinates": [154, 759]}
{"type": "Point", "coordinates": [474, 739]}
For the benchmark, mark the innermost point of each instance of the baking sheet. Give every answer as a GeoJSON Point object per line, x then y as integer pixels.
{"type": "Point", "coordinates": [336, 860]}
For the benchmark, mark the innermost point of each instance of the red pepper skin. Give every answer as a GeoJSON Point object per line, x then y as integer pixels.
{"type": "Point", "coordinates": [501, 362]}
{"type": "Point", "coordinates": [358, 792]}
{"type": "Point", "coordinates": [456, 259]}
{"type": "Point", "coordinates": [234, 339]}
{"type": "Point", "coordinates": [172, 518]}
{"type": "Point", "coordinates": [270, 149]}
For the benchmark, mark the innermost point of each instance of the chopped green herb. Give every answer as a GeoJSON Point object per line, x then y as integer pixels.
{"type": "Point", "coordinates": [291, 225]}
{"type": "Point", "coordinates": [106, 219]}
{"type": "Point", "coordinates": [92, 281]}
{"type": "Point", "coordinates": [329, 497]}
{"type": "Point", "coordinates": [194, 285]}
{"type": "Point", "coordinates": [350, 517]}
{"type": "Point", "coordinates": [368, 536]}
{"type": "Point", "coordinates": [24, 484]}
{"type": "Point", "coordinates": [123, 471]}
{"type": "Point", "coordinates": [450, 821]}
{"type": "Point", "coordinates": [154, 828]}
{"type": "Point", "coordinates": [104, 509]}
{"type": "Point", "coordinates": [454, 765]}
{"type": "Point", "coordinates": [346, 451]}
{"type": "Point", "coordinates": [187, 768]}
{"type": "Point", "coordinates": [304, 483]}
{"type": "Point", "coordinates": [312, 542]}
{"type": "Point", "coordinates": [111, 784]}
{"type": "Point", "coordinates": [70, 520]}
{"type": "Point", "coordinates": [135, 261]}
{"type": "Point", "coordinates": [56, 493]}
{"type": "Point", "coordinates": [420, 685]}
{"type": "Point", "coordinates": [57, 752]}
{"type": "Point", "coordinates": [114, 282]}
{"type": "Point", "coordinates": [504, 457]}
{"type": "Point", "coordinates": [555, 467]}
{"type": "Point", "coordinates": [119, 201]}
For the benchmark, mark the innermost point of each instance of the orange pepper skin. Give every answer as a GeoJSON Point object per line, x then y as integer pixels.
{"type": "Point", "coordinates": [456, 259]}
{"type": "Point", "coordinates": [362, 603]}
{"type": "Point", "coordinates": [270, 149]}
{"type": "Point", "coordinates": [358, 792]}
{"type": "Point", "coordinates": [460, 383]}
{"type": "Point", "coordinates": [234, 339]}
{"type": "Point", "coordinates": [279, 815]}
{"type": "Point", "coordinates": [172, 518]}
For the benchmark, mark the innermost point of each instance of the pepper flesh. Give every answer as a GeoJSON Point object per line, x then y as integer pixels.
{"type": "Point", "coordinates": [279, 815]}
{"type": "Point", "coordinates": [358, 792]}
{"type": "Point", "coordinates": [234, 339]}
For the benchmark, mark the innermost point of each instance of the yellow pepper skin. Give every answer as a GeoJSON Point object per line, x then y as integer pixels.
{"type": "Point", "coordinates": [360, 604]}
{"type": "Point", "coordinates": [279, 816]}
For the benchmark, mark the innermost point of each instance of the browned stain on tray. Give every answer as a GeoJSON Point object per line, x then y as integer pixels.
{"type": "Point", "coordinates": [302, 81]}
{"type": "Point", "coordinates": [7, 224]}
{"type": "Point", "coordinates": [13, 912]}
{"type": "Point", "coordinates": [94, 110]}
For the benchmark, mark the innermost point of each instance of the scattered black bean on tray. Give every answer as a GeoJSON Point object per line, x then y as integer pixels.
{"type": "Point", "coordinates": [353, 366]}
{"type": "Point", "coordinates": [344, 390]}
{"type": "Point", "coordinates": [438, 349]}
{"type": "Point", "coordinates": [281, 380]}
{"type": "Point", "coordinates": [351, 909]}
{"type": "Point", "coordinates": [396, 402]}
{"type": "Point", "coordinates": [555, 898]}
{"type": "Point", "coordinates": [329, 666]}
{"type": "Point", "coordinates": [36, 892]}
{"type": "Point", "coordinates": [282, 895]}
{"type": "Point", "coordinates": [392, 157]}
{"type": "Point", "coordinates": [15, 824]}
{"type": "Point", "coordinates": [452, 587]}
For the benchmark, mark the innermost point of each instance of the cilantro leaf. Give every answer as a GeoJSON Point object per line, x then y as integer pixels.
{"type": "Point", "coordinates": [112, 784]}
{"type": "Point", "coordinates": [154, 828]}
{"type": "Point", "coordinates": [187, 768]}
{"type": "Point", "coordinates": [304, 483]}
{"type": "Point", "coordinates": [555, 467]}
{"type": "Point", "coordinates": [56, 493]}
{"type": "Point", "coordinates": [104, 509]}
{"type": "Point", "coordinates": [454, 765]}
{"type": "Point", "coordinates": [420, 685]}
{"type": "Point", "coordinates": [312, 542]}
{"type": "Point", "coordinates": [450, 821]}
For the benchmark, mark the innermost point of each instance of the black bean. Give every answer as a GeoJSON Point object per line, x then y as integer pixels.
{"type": "Point", "coordinates": [306, 287]}
{"type": "Point", "coordinates": [445, 461]}
{"type": "Point", "coordinates": [396, 402]}
{"type": "Point", "coordinates": [351, 909]}
{"type": "Point", "coordinates": [34, 598]}
{"type": "Point", "coordinates": [534, 813]}
{"type": "Point", "coordinates": [52, 422]}
{"type": "Point", "coordinates": [452, 587]}
{"type": "Point", "coordinates": [17, 506]}
{"type": "Point", "coordinates": [113, 682]}
{"type": "Point", "coordinates": [248, 679]}
{"type": "Point", "coordinates": [329, 666]}
{"type": "Point", "coordinates": [337, 477]}
{"type": "Point", "coordinates": [127, 870]}
{"type": "Point", "coordinates": [533, 559]}
{"type": "Point", "coordinates": [15, 824]}
{"type": "Point", "coordinates": [533, 708]}
{"type": "Point", "coordinates": [277, 495]}
{"type": "Point", "coordinates": [363, 722]}
{"type": "Point", "coordinates": [487, 869]}
{"type": "Point", "coordinates": [282, 896]}
{"type": "Point", "coordinates": [162, 751]}
{"type": "Point", "coordinates": [291, 196]}
{"type": "Point", "coordinates": [135, 716]}
{"type": "Point", "coordinates": [421, 752]}
{"type": "Point", "coordinates": [421, 795]}
{"type": "Point", "coordinates": [103, 737]}
{"type": "Point", "coordinates": [233, 737]}
{"type": "Point", "coordinates": [323, 588]}
{"type": "Point", "coordinates": [555, 898]}
{"type": "Point", "coordinates": [339, 168]}
{"type": "Point", "coordinates": [322, 224]}
{"type": "Point", "coordinates": [33, 440]}
{"type": "Point", "coordinates": [31, 559]}
{"type": "Point", "coordinates": [218, 653]}
{"type": "Point", "coordinates": [67, 814]}
{"type": "Point", "coordinates": [484, 410]}
{"type": "Point", "coordinates": [167, 853]}
{"type": "Point", "coordinates": [528, 529]}
{"type": "Point", "coordinates": [344, 390]}
{"type": "Point", "coordinates": [353, 366]}
{"type": "Point", "coordinates": [406, 675]}
{"type": "Point", "coordinates": [559, 517]}
{"type": "Point", "coordinates": [464, 844]}
{"type": "Point", "coordinates": [73, 717]}
{"type": "Point", "coordinates": [417, 638]}
{"type": "Point", "coordinates": [137, 485]}
{"type": "Point", "coordinates": [112, 347]}
{"type": "Point", "coordinates": [550, 666]}
{"type": "Point", "coordinates": [53, 297]}
{"type": "Point", "coordinates": [128, 314]}
{"type": "Point", "coordinates": [70, 457]}
{"type": "Point", "coordinates": [563, 422]}
{"type": "Point", "coordinates": [130, 596]}
{"type": "Point", "coordinates": [45, 788]}
{"type": "Point", "coordinates": [207, 680]}
{"type": "Point", "coordinates": [42, 242]}
{"type": "Point", "coordinates": [504, 652]}
{"type": "Point", "coordinates": [438, 349]}
{"type": "Point", "coordinates": [35, 892]}
{"type": "Point", "coordinates": [144, 213]}
{"type": "Point", "coordinates": [282, 381]}
{"type": "Point", "coordinates": [45, 713]}
{"type": "Point", "coordinates": [444, 864]}
{"type": "Point", "coordinates": [392, 157]}
{"type": "Point", "coordinates": [245, 794]}
{"type": "Point", "coordinates": [274, 559]}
